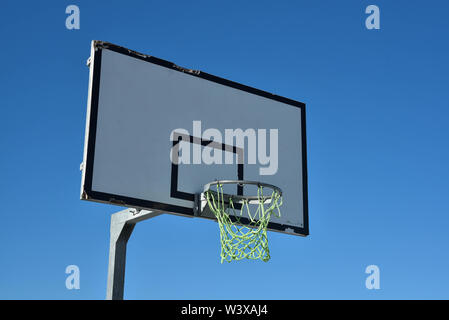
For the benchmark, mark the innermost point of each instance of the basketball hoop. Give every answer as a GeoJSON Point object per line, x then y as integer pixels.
{"type": "Point", "coordinates": [248, 239]}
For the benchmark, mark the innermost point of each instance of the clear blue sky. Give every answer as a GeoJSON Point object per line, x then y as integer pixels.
{"type": "Point", "coordinates": [378, 147]}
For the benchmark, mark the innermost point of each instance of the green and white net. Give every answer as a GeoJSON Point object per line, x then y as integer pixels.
{"type": "Point", "coordinates": [244, 234]}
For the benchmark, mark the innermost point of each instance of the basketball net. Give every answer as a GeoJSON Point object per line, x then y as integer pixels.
{"type": "Point", "coordinates": [244, 240]}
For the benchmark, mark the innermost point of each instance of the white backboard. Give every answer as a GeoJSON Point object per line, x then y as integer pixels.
{"type": "Point", "coordinates": [136, 103]}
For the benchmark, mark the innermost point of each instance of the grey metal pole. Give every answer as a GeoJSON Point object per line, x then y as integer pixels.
{"type": "Point", "coordinates": [122, 226]}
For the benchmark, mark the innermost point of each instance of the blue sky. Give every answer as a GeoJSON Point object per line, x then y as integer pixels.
{"type": "Point", "coordinates": [378, 138]}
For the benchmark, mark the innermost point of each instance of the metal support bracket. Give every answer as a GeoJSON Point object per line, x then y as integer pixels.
{"type": "Point", "coordinates": [122, 226]}
{"type": "Point", "coordinates": [201, 208]}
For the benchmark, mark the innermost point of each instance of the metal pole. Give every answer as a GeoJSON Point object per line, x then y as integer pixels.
{"type": "Point", "coordinates": [122, 226]}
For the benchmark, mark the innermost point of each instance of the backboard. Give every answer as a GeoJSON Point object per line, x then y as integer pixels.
{"type": "Point", "coordinates": [156, 133]}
